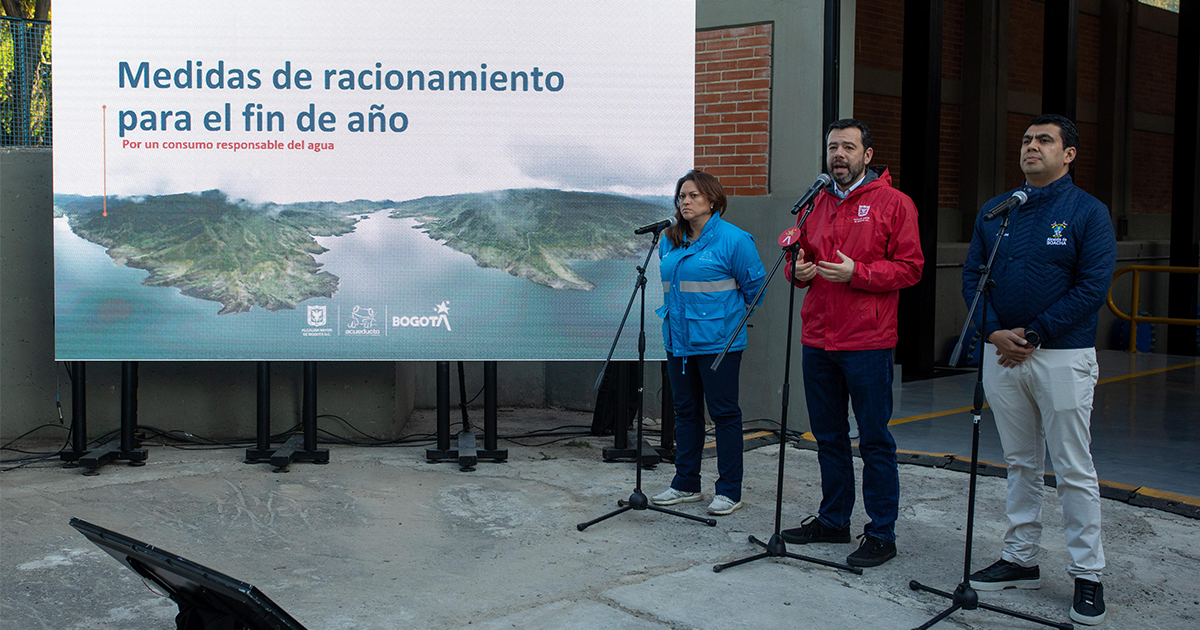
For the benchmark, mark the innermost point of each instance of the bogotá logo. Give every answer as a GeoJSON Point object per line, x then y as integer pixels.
{"type": "Point", "coordinates": [362, 322]}
{"type": "Point", "coordinates": [1058, 238]}
{"type": "Point", "coordinates": [437, 320]}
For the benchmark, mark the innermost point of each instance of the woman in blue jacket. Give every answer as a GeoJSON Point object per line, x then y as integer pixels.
{"type": "Point", "coordinates": [710, 272]}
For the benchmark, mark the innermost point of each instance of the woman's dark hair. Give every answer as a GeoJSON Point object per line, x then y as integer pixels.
{"type": "Point", "coordinates": [706, 185]}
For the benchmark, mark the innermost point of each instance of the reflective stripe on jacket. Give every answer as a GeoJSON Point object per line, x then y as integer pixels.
{"type": "Point", "coordinates": [707, 286]}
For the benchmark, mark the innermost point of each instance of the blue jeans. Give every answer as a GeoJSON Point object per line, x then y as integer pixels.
{"type": "Point", "coordinates": [693, 380]}
{"type": "Point", "coordinates": [863, 377]}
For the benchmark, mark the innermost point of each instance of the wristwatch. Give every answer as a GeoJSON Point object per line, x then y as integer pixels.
{"type": "Point", "coordinates": [1033, 338]}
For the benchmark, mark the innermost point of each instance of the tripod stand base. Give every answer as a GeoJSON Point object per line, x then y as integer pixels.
{"type": "Point", "coordinates": [965, 598]}
{"type": "Point", "coordinates": [638, 501]}
{"type": "Point", "coordinates": [777, 548]}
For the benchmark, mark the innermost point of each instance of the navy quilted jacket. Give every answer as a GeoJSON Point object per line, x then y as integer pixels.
{"type": "Point", "coordinates": [1053, 268]}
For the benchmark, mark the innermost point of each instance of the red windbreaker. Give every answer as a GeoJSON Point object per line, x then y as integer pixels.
{"type": "Point", "coordinates": [876, 226]}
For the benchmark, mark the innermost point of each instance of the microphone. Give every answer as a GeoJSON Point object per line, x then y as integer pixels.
{"type": "Point", "coordinates": [1018, 198]}
{"type": "Point", "coordinates": [657, 227]}
{"type": "Point", "coordinates": [823, 180]}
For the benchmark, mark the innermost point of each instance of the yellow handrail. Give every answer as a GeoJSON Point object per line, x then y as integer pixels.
{"type": "Point", "coordinates": [1136, 319]}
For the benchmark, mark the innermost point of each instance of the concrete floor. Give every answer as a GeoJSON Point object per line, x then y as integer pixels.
{"type": "Point", "coordinates": [378, 538]}
{"type": "Point", "coordinates": [1145, 414]}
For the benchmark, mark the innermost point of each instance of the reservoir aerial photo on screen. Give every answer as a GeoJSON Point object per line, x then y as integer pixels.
{"type": "Point", "coordinates": [490, 275]}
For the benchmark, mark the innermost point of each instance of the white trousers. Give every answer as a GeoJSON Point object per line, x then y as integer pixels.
{"type": "Point", "coordinates": [1046, 403]}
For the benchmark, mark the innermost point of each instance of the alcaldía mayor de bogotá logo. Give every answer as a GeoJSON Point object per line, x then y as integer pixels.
{"type": "Point", "coordinates": [317, 318]}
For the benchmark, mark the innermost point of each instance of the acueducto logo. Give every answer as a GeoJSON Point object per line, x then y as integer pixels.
{"type": "Point", "coordinates": [362, 322]}
{"type": "Point", "coordinates": [439, 319]}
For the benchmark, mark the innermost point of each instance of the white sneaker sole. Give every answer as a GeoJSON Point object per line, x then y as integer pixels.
{"type": "Point", "coordinates": [1000, 586]}
{"type": "Point", "coordinates": [726, 511]}
{"type": "Point", "coordinates": [1088, 621]}
{"type": "Point", "coordinates": [686, 499]}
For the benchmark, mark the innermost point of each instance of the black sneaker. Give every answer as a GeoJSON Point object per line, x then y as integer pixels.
{"type": "Point", "coordinates": [872, 552]}
{"type": "Point", "coordinates": [813, 530]}
{"type": "Point", "coordinates": [1004, 574]}
{"type": "Point", "coordinates": [1088, 606]}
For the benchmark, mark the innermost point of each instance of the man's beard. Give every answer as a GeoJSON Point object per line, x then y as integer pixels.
{"type": "Point", "coordinates": [853, 172]}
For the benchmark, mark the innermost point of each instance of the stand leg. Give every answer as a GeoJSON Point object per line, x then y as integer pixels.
{"type": "Point", "coordinates": [303, 447]}
{"type": "Point", "coordinates": [621, 451]}
{"type": "Point", "coordinates": [666, 448]}
{"type": "Point", "coordinates": [638, 501]}
{"type": "Point", "coordinates": [490, 447]}
{"type": "Point", "coordinates": [465, 449]}
{"type": "Point", "coordinates": [78, 414]}
{"type": "Point", "coordinates": [125, 448]}
{"type": "Point", "coordinates": [965, 598]}
{"type": "Point", "coordinates": [262, 450]}
{"type": "Point", "coordinates": [442, 452]}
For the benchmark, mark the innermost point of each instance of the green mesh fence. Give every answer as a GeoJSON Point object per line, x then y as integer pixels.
{"type": "Point", "coordinates": [25, 116]}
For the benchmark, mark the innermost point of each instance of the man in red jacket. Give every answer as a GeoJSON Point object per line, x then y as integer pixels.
{"type": "Point", "coordinates": [859, 247]}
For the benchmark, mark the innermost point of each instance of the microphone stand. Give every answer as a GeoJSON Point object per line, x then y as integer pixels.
{"type": "Point", "coordinates": [776, 547]}
{"type": "Point", "coordinates": [965, 597]}
{"type": "Point", "coordinates": [638, 500]}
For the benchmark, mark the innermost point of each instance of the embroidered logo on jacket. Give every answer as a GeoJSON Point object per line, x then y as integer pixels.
{"type": "Point", "coordinates": [863, 211]}
{"type": "Point", "coordinates": [1057, 238]}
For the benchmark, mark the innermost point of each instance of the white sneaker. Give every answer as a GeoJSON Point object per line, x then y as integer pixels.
{"type": "Point", "coordinates": [722, 505]}
{"type": "Point", "coordinates": [671, 496]}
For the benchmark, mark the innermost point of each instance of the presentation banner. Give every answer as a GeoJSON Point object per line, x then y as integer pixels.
{"type": "Point", "coordinates": [378, 180]}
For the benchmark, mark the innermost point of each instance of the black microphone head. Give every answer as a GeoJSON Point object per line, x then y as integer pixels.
{"type": "Point", "coordinates": [824, 179]}
{"type": "Point", "coordinates": [672, 221]}
{"type": "Point", "coordinates": [1021, 197]}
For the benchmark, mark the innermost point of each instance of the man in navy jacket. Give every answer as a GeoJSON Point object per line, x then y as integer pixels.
{"type": "Point", "coordinates": [1052, 273]}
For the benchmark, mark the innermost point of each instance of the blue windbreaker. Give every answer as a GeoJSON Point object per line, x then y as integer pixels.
{"type": "Point", "coordinates": [707, 286]}
{"type": "Point", "coordinates": [1053, 268]}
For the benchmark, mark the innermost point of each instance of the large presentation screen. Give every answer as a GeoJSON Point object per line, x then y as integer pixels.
{"type": "Point", "coordinates": [385, 179]}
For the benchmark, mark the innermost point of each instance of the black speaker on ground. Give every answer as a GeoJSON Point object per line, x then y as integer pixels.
{"type": "Point", "coordinates": [207, 600]}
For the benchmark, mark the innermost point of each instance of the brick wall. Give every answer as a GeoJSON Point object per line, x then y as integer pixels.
{"type": "Point", "coordinates": [1025, 28]}
{"type": "Point", "coordinates": [1085, 160]}
{"type": "Point", "coordinates": [879, 43]}
{"type": "Point", "coordinates": [953, 14]}
{"type": "Point", "coordinates": [1154, 73]}
{"type": "Point", "coordinates": [949, 156]}
{"type": "Point", "coordinates": [882, 115]}
{"type": "Point", "coordinates": [879, 34]}
{"type": "Point", "coordinates": [733, 107]}
{"type": "Point", "coordinates": [1017, 124]}
{"type": "Point", "coordinates": [1152, 171]}
{"type": "Point", "coordinates": [1088, 84]}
